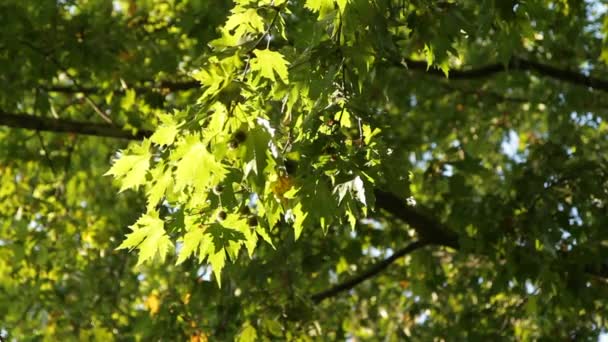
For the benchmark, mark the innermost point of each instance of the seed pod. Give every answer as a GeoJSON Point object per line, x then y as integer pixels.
{"type": "Point", "coordinates": [290, 166]}
{"type": "Point", "coordinates": [218, 189]}
{"type": "Point", "coordinates": [221, 216]}
{"type": "Point", "coordinates": [239, 136]}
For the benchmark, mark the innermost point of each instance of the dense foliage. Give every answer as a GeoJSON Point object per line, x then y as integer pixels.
{"type": "Point", "coordinates": [303, 170]}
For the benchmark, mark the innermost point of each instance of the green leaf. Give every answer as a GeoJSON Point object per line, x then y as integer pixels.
{"type": "Point", "coordinates": [197, 167]}
{"type": "Point", "coordinates": [131, 168]}
{"type": "Point", "coordinates": [191, 242]}
{"type": "Point", "coordinates": [162, 180]}
{"type": "Point", "coordinates": [248, 333]}
{"type": "Point", "coordinates": [264, 234]}
{"type": "Point", "coordinates": [355, 187]}
{"type": "Point", "coordinates": [128, 100]}
{"type": "Point", "coordinates": [323, 7]}
{"type": "Point", "coordinates": [217, 261]}
{"type": "Point", "coordinates": [268, 62]}
{"type": "Point", "coordinates": [342, 4]}
{"type": "Point", "coordinates": [430, 56]}
{"type": "Point", "coordinates": [239, 224]}
{"type": "Point", "coordinates": [165, 134]}
{"type": "Point", "coordinates": [242, 22]}
{"type": "Point", "coordinates": [148, 237]}
{"type": "Point", "coordinates": [298, 222]}
{"type": "Point", "coordinates": [273, 327]}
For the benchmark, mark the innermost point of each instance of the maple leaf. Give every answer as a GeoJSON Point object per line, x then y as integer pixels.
{"type": "Point", "coordinates": [268, 63]}
{"type": "Point", "coordinates": [165, 134]}
{"type": "Point", "coordinates": [149, 237]}
{"type": "Point", "coordinates": [191, 241]}
{"type": "Point", "coordinates": [131, 168]}
{"type": "Point", "coordinates": [323, 7]}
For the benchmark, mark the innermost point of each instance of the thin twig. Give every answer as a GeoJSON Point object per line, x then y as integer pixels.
{"type": "Point", "coordinates": [371, 272]}
{"type": "Point", "coordinates": [46, 153]}
{"type": "Point", "coordinates": [97, 110]}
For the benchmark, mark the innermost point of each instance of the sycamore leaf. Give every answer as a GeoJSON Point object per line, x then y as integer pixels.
{"type": "Point", "coordinates": [251, 241]}
{"type": "Point", "coordinates": [163, 245]}
{"type": "Point", "coordinates": [163, 180]}
{"type": "Point", "coordinates": [131, 168]}
{"type": "Point", "coordinates": [197, 167]}
{"type": "Point", "coordinates": [298, 221]}
{"type": "Point", "coordinates": [191, 242]}
{"type": "Point", "coordinates": [128, 100]}
{"type": "Point", "coordinates": [235, 233]}
{"type": "Point", "coordinates": [268, 62]}
{"type": "Point", "coordinates": [255, 151]}
{"type": "Point", "coordinates": [217, 261]}
{"type": "Point", "coordinates": [205, 247]}
{"type": "Point", "coordinates": [149, 237]}
{"type": "Point", "coordinates": [352, 219]}
{"type": "Point", "coordinates": [323, 7]}
{"type": "Point", "coordinates": [213, 245]}
{"type": "Point", "coordinates": [368, 133]}
{"type": "Point", "coordinates": [355, 187]}
{"type": "Point", "coordinates": [430, 56]}
{"type": "Point", "coordinates": [134, 239]}
{"type": "Point", "coordinates": [244, 22]}
{"type": "Point", "coordinates": [247, 334]}
{"type": "Point", "coordinates": [264, 234]}
{"type": "Point", "coordinates": [165, 133]}
{"type": "Point", "coordinates": [342, 4]}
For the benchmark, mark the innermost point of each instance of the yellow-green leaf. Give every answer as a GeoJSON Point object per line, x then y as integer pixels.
{"type": "Point", "coordinates": [247, 334]}
{"type": "Point", "coordinates": [191, 242]}
{"type": "Point", "coordinates": [268, 62]}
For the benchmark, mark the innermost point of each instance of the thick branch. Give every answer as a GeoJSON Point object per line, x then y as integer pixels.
{"type": "Point", "coordinates": [371, 272]}
{"type": "Point", "coordinates": [163, 85]}
{"type": "Point", "coordinates": [428, 229]}
{"type": "Point", "coordinates": [37, 123]}
{"type": "Point", "coordinates": [516, 63]}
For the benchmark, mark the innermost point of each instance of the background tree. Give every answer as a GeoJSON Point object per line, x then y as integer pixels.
{"type": "Point", "coordinates": [320, 169]}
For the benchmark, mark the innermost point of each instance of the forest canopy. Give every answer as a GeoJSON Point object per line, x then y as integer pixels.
{"type": "Point", "coordinates": [261, 170]}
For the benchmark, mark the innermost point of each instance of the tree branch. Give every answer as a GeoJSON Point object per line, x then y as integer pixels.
{"type": "Point", "coordinates": [515, 64]}
{"type": "Point", "coordinates": [428, 229]}
{"type": "Point", "coordinates": [371, 272]}
{"type": "Point", "coordinates": [433, 232]}
{"type": "Point", "coordinates": [163, 85]}
{"type": "Point", "coordinates": [28, 121]}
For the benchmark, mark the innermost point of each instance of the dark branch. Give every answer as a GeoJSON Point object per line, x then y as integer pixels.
{"type": "Point", "coordinates": [433, 232]}
{"type": "Point", "coordinates": [428, 229]}
{"type": "Point", "coordinates": [371, 272]}
{"type": "Point", "coordinates": [37, 123]}
{"type": "Point", "coordinates": [161, 86]}
{"type": "Point", "coordinates": [515, 64]}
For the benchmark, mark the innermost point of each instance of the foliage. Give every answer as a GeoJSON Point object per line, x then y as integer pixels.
{"type": "Point", "coordinates": [319, 169]}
